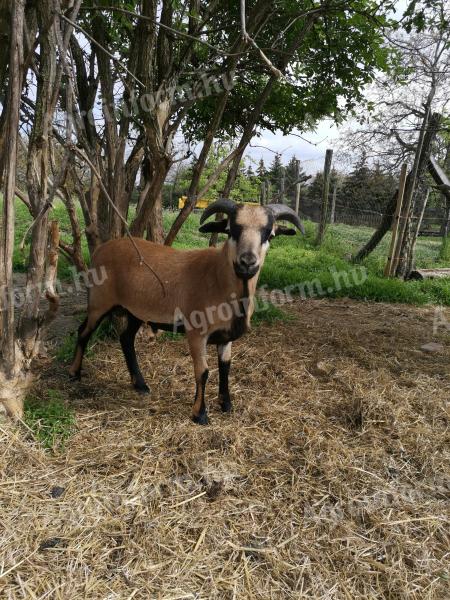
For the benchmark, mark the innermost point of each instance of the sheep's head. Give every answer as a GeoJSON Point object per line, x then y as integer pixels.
{"type": "Point", "coordinates": [250, 229]}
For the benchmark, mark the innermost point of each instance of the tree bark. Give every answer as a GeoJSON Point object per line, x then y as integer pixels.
{"type": "Point", "coordinates": [155, 229]}
{"type": "Point", "coordinates": [7, 341]}
{"type": "Point", "coordinates": [37, 178]}
{"type": "Point", "coordinates": [5, 30]}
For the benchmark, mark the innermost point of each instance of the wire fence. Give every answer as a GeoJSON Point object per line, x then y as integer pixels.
{"type": "Point", "coordinates": [371, 214]}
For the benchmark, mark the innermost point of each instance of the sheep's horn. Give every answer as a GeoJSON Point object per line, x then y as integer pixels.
{"type": "Point", "coordinates": [221, 206]}
{"type": "Point", "coordinates": [281, 212]}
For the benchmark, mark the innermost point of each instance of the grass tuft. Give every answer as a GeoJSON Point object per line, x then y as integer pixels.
{"type": "Point", "coordinates": [50, 420]}
{"type": "Point", "coordinates": [66, 348]}
{"type": "Point", "coordinates": [266, 312]}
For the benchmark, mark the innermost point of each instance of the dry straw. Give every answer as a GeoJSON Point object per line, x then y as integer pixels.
{"type": "Point", "coordinates": [330, 479]}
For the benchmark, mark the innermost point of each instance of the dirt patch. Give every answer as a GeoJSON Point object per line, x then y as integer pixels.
{"type": "Point", "coordinates": [329, 480]}
{"type": "Point", "coordinates": [72, 307]}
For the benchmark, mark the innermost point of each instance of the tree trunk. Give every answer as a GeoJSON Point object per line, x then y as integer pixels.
{"type": "Point", "coordinates": [37, 178]}
{"type": "Point", "coordinates": [155, 229]}
{"type": "Point", "coordinates": [407, 237]}
{"type": "Point", "coordinates": [74, 250]}
{"type": "Point", "coordinates": [11, 381]}
{"type": "Point", "coordinates": [148, 210]}
{"type": "Point", "coordinates": [5, 29]}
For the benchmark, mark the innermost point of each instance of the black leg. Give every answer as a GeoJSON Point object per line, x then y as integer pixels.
{"type": "Point", "coordinates": [197, 348]}
{"type": "Point", "coordinates": [127, 342]}
{"type": "Point", "coordinates": [84, 334]}
{"type": "Point", "coordinates": [200, 414]}
{"type": "Point", "coordinates": [224, 354]}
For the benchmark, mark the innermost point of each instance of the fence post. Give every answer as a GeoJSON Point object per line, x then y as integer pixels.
{"type": "Point", "coordinates": [326, 189]}
{"type": "Point", "coordinates": [392, 258]}
{"type": "Point", "coordinates": [297, 186]}
{"type": "Point", "coordinates": [263, 193]}
{"type": "Point", "coordinates": [282, 184]}
{"type": "Point", "coordinates": [268, 191]}
{"type": "Point", "coordinates": [333, 205]}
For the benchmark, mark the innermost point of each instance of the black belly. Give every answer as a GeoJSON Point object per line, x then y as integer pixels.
{"type": "Point", "coordinates": [224, 336]}
{"type": "Point", "coordinates": [221, 336]}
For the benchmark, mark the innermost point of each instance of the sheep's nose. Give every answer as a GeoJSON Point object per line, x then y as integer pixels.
{"type": "Point", "coordinates": [248, 260]}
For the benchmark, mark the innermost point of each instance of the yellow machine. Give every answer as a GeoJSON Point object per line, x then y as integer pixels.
{"type": "Point", "coordinates": [203, 203]}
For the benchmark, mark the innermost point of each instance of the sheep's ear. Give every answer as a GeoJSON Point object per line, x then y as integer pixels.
{"type": "Point", "coordinates": [215, 227]}
{"type": "Point", "coordinates": [280, 230]}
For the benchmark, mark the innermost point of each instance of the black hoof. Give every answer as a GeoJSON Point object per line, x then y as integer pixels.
{"type": "Point", "coordinates": [226, 407]}
{"type": "Point", "coordinates": [75, 376]}
{"type": "Point", "coordinates": [142, 388]}
{"type": "Point", "coordinates": [201, 419]}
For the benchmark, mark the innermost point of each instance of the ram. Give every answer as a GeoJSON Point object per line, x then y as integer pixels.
{"type": "Point", "coordinates": [207, 294]}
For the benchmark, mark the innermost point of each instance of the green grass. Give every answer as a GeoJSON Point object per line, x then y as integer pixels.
{"type": "Point", "coordinates": [266, 312]}
{"type": "Point", "coordinates": [23, 222]}
{"type": "Point", "coordinates": [293, 260]}
{"type": "Point", "coordinates": [66, 348]}
{"type": "Point", "coordinates": [50, 420]}
{"type": "Point", "coordinates": [444, 252]}
{"type": "Point", "coordinates": [328, 272]}
{"type": "Point", "coordinates": [171, 336]}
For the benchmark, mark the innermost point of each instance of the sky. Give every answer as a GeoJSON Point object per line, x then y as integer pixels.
{"type": "Point", "coordinates": [309, 149]}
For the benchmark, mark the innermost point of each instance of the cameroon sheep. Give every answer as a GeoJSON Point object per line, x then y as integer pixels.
{"type": "Point", "coordinates": [207, 293]}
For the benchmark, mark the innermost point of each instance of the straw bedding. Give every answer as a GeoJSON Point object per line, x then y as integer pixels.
{"type": "Point", "coordinates": [329, 480]}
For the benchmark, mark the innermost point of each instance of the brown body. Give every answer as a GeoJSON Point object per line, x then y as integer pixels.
{"type": "Point", "coordinates": [192, 280]}
{"type": "Point", "coordinates": [210, 292]}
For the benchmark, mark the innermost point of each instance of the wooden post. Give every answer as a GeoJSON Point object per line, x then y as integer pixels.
{"type": "Point", "coordinates": [333, 205]}
{"type": "Point", "coordinates": [326, 190]}
{"type": "Point", "coordinates": [268, 191]}
{"type": "Point", "coordinates": [392, 260]}
{"type": "Point", "coordinates": [262, 194]}
{"type": "Point", "coordinates": [298, 188]}
{"type": "Point", "coordinates": [282, 184]}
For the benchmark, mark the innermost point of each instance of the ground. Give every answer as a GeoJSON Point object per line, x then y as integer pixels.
{"type": "Point", "coordinates": [329, 479]}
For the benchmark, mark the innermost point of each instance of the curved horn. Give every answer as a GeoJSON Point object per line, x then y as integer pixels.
{"type": "Point", "coordinates": [221, 206]}
{"type": "Point", "coordinates": [281, 212]}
